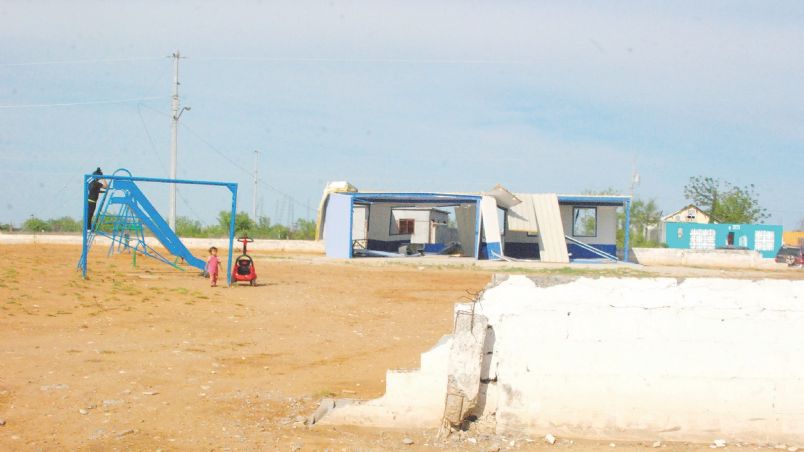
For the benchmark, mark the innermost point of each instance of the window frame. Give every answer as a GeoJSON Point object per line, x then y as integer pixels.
{"type": "Point", "coordinates": [574, 220]}
{"type": "Point", "coordinates": [407, 221]}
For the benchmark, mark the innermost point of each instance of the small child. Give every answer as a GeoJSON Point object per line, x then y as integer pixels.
{"type": "Point", "coordinates": [213, 265]}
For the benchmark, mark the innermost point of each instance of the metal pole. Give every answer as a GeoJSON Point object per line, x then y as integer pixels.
{"type": "Point", "coordinates": [254, 200]}
{"type": "Point", "coordinates": [233, 189]}
{"type": "Point", "coordinates": [626, 237]}
{"type": "Point", "coordinates": [174, 140]}
{"type": "Point", "coordinates": [84, 250]}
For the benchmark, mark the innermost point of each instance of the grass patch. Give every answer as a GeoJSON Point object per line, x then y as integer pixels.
{"type": "Point", "coordinates": [323, 393]}
{"type": "Point", "coordinates": [576, 271]}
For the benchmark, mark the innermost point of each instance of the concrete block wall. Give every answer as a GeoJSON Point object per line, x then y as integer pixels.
{"type": "Point", "coordinates": [702, 258]}
{"type": "Point", "coordinates": [649, 359]}
{"type": "Point", "coordinates": [302, 246]}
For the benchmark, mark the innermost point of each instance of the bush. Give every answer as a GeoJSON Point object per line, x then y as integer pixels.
{"type": "Point", "coordinates": [34, 224]}
{"type": "Point", "coordinates": [64, 224]}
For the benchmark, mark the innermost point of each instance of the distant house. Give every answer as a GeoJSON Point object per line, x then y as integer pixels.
{"type": "Point", "coordinates": [765, 238]}
{"type": "Point", "coordinates": [688, 214]}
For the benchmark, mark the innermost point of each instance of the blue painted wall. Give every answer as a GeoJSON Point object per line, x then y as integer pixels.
{"type": "Point", "coordinates": [679, 235]}
{"type": "Point", "coordinates": [576, 252]}
{"type": "Point", "coordinates": [338, 226]}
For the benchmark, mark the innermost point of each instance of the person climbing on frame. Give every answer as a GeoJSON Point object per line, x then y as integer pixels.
{"type": "Point", "coordinates": [95, 187]}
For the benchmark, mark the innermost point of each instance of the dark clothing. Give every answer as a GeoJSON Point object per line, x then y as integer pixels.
{"type": "Point", "coordinates": [95, 188]}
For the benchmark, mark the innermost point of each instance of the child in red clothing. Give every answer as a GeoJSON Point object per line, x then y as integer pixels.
{"type": "Point", "coordinates": [213, 265]}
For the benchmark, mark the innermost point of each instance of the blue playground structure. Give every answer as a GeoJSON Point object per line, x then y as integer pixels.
{"type": "Point", "coordinates": [124, 211]}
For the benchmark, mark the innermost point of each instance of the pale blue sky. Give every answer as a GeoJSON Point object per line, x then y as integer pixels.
{"type": "Point", "coordinates": [459, 96]}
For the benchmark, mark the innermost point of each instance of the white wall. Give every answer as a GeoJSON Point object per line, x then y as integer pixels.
{"type": "Point", "coordinates": [384, 220]}
{"type": "Point", "coordinates": [650, 358]}
{"type": "Point", "coordinates": [703, 258]}
{"type": "Point", "coordinates": [625, 358]}
{"type": "Point", "coordinates": [303, 246]}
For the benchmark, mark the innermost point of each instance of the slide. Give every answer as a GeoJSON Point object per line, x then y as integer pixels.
{"type": "Point", "coordinates": [150, 217]}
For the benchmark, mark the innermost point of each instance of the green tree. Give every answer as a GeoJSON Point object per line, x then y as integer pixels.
{"type": "Point", "coordinates": [64, 224]}
{"type": "Point", "coordinates": [187, 227]}
{"type": "Point", "coordinates": [644, 215]}
{"type": "Point", "coordinates": [303, 229]}
{"type": "Point", "coordinates": [34, 224]}
{"type": "Point", "coordinates": [724, 201]}
{"type": "Point", "coordinates": [243, 223]}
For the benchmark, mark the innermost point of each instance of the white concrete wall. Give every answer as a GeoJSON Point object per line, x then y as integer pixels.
{"type": "Point", "coordinates": [609, 358]}
{"type": "Point", "coordinates": [303, 246]}
{"type": "Point", "coordinates": [650, 358]}
{"type": "Point", "coordinates": [702, 258]}
{"type": "Point", "coordinates": [606, 225]}
{"type": "Point", "coordinates": [413, 398]}
{"type": "Point", "coordinates": [384, 220]}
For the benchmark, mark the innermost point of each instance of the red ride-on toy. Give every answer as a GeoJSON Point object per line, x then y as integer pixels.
{"type": "Point", "coordinates": [244, 265]}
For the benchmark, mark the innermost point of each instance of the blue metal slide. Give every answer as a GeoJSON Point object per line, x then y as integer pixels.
{"type": "Point", "coordinates": [147, 213]}
{"type": "Point", "coordinates": [124, 211]}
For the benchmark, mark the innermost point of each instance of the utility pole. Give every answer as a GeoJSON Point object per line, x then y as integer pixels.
{"type": "Point", "coordinates": [174, 137]}
{"type": "Point", "coordinates": [254, 200]}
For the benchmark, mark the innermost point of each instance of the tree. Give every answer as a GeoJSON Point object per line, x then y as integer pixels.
{"type": "Point", "coordinates": [34, 224]}
{"type": "Point", "coordinates": [644, 214]}
{"type": "Point", "coordinates": [187, 227]}
{"type": "Point", "coordinates": [304, 229]}
{"type": "Point", "coordinates": [724, 201]}
{"type": "Point", "coordinates": [64, 224]}
{"type": "Point", "coordinates": [243, 223]}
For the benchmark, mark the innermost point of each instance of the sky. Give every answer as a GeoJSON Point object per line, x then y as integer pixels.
{"type": "Point", "coordinates": [562, 97]}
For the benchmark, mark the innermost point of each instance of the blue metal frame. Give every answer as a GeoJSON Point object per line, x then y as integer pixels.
{"type": "Point", "coordinates": [423, 198]}
{"type": "Point", "coordinates": [607, 200]}
{"type": "Point", "coordinates": [86, 241]}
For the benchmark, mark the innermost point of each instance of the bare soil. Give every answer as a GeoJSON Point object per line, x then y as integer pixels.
{"type": "Point", "coordinates": [150, 358]}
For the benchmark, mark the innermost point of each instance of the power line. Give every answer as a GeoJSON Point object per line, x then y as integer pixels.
{"type": "Point", "coordinates": [242, 168]}
{"type": "Point", "coordinates": [79, 61]}
{"type": "Point", "coordinates": [94, 102]}
{"type": "Point", "coordinates": [367, 60]}
{"type": "Point", "coordinates": [161, 164]}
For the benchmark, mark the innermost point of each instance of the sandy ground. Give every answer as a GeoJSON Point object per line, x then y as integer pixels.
{"type": "Point", "coordinates": [152, 358]}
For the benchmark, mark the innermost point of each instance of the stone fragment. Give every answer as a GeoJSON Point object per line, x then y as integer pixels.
{"type": "Point", "coordinates": [407, 441]}
{"type": "Point", "coordinates": [83, 411]}
{"type": "Point", "coordinates": [550, 439]}
{"type": "Point", "coordinates": [657, 444]}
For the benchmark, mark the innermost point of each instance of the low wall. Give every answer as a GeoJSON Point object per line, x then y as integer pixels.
{"type": "Point", "coordinates": [629, 359]}
{"type": "Point", "coordinates": [650, 358]}
{"type": "Point", "coordinates": [701, 258]}
{"type": "Point", "coordinates": [301, 246]}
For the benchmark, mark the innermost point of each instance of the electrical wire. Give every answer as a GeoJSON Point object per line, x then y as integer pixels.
{"type": "Point", "coordinates": [366, 60]}
{"type": "Point", "coordinates": [161, 164]}
{"type": "Point", "coordinates": [79, 61]}
{"type": "Point", "coordinates": [71, 104]}
{"type": "Point", "coordinates": [244, 169]}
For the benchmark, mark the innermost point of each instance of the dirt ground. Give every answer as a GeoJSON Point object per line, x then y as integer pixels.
{"type": "Point", "coordinates": [152, 358]}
